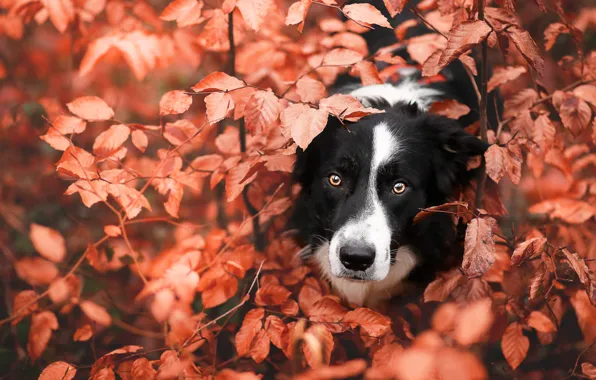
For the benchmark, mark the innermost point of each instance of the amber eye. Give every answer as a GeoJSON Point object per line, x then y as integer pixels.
{"type": "Point", "coordinates": [399, 188]}
{"type": "Point", "coordinates": [334, 179]}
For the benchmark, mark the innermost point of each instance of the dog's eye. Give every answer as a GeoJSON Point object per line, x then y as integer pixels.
{"type": "Point", "coordinates": [399, 188]}
{"type": "Point", "coordinates": [334, 179]}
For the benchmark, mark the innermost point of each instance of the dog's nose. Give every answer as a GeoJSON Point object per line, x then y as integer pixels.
{"type": "Point", "coordinates": [357, 257]}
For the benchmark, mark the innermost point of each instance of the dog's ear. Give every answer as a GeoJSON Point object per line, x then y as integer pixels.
{"type": "Point", "coordinates": [308, 160]}
{"type": "Point", "coordinates": [453, 148]}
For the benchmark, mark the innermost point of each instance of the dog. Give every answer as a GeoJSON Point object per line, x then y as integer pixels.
{"type": "Point", "coordinates": [363, 183]}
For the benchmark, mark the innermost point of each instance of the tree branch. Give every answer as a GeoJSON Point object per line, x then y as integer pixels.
{"type": "Point", "coordinates": [482, 105]}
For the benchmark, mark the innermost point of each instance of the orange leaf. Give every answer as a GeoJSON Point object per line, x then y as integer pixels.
{"type": "Point", "coordinates": [261, 111]}
{"type": "Point", "coordinates": [61, 13]}
{"type": "Point", "coordinates": [170, 366]}
{"type": "Point", "coordinates": [252, 324]}
{"type": "Point", "coordinates": [96, 313]}
{"type": "Point", "coordinates": [341, 57]}
{"type": "Point", "coordinates": [441, 288]}
{"type": "Point", "coordinates": [527, 250]}
{"type": "Point", "coordinates": [66, 125]}
{"type": "Point", "coordinates": [586, 315]}
{"type": "Point", "coordinates": [375, 324]}
{"type": "Point", "coordinates": [303, 122]}
{"type": "Point", "coordinates": [184, 12]}
{"type": "Point", "coordinates": [368, 73]}
{"type": "Point", "coordinates": [496, 158]}
{"type": "Point", "coordinates": [346, 107]}
{"type": "Point", "coordinates": [142, 369]}
{"type": "Point", "coordinates": [575, 114]}
{"type": "Point", "coordinates": [515, 345]}
{"type": "Point", "coordinates": [109, 142]}
{"type": "Point", "coordinates": [297, 13]}
{"type": "Point", "coordinates": [589, 370]}
{"type": "Point", "coordinates": [180, 131]}
{"type": "Point", "coordinates": [543, 133]}
{"type": "Point", "coordinates": [318, 346]}
{"type": "Point", "coordinates": [218, 81]}
{"type": "Point", "coordinates": [58, 370]}
{"type": "Point", "coordinates": [40, 333]}
{"type": "Point", "coordinates": [83, 334]}
{"type": "Point", "coordinates": [395, 6]}
{"type": "Point", "coordinates": [289, 307]}
{"type": "Point", "coordinates": [48, 242]}
{"type": "Point", "coordinates": [219, 104]}
{"type": "Point", "coordinates": [450, 108]}
{"type": "Point", "coordinates": [36, 271]}
{"type": "Point", "coordinates": [309, 294]}
{"type": "Point", "coordinates": [260, 346]}
{"type": "Point", "coordinates": [23, 298]}
{"type": "Point", "coordinates": [365, 14]}
{"type": "Point", "coordinates": [174, 102]}
{"type": "Point", "coordinates": [569, 210]}
{"type": "Point", "coordinates": [310, 90]}
{"type": "Point", "coordinates": [505, 74]}
{"type": "Point", "coordinates": [474, 322]}
{"type": "Point", "coordinates": [329, 312]}
{"type": "Point", "coordinates": [91, 108]}
{"type": "Point", "coordinates": [277, 331]}
{"type": "Point", "coordinates": [271, 294]}
{"type": "Point", "coordinates": [254, 11]}
{"type": "Point", "coordinates": [541, 322]}
{"type": "Point", "coordinates": [526, 46]}
{"type": "Point", "coordinates": [479, 247]}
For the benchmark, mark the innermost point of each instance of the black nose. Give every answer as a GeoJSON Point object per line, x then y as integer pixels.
{"type": "Point", "coordinates": [357, 257]}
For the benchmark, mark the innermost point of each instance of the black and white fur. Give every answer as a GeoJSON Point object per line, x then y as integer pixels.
{"type": "Point", "coordinates": [360, 233]}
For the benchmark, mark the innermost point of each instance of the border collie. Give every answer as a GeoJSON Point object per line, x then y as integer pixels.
{"type": "Point", "coordinates": [363, 183]}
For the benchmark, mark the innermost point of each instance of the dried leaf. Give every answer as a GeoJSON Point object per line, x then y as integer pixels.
{"type": "Point", "coordinates": [479, 248]}
{"type": "Point", "coordinates": [271, 294]}
{"type": "Point", "coordinates": [365, 14]}
{"type": "Point", "coordinates": [91, 108]}
{"type": "Point", "coordinates": [96, 313]}
{"type": "Point", "coordinates": [303, 123]}
{"type": "Point", "coordinates": [254, 11]}
{"type": "Point", "coordinates": [174, 102]}
{"type": "Point", "coordinates": [218, 81]}
{"type": "Point", "coordinates": [48, 242]}
{"type": "Point", "coordinates": [24, 303]}
{"type": "Point", "coordinates": [373, 323]}
{"type": "Point", "coordinates": [527, 250]}
{"type": "Point", "coordinates": [58, 370]}
{"type": "Point", "coordinates": [474, 322]}
{"type": "Point", "coordinates": [541, 322]}
{"type": "Point", "coordinates": [40, 333]}
{"type": "Point", "coordinates": [503, 75]}
{"type": "Point", "coordinates": [515, 345]}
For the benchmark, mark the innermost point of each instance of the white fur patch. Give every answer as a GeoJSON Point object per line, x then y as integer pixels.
{"type": "Point", "coordinates": [371, 226]}
{"type": "Point", "coordinates": [407, 92]}
{"type": "Point", "coordinates": [369, 293]}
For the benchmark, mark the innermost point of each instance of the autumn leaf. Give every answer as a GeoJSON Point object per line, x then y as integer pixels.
{"type": "Point", "coordinates": [395, 6]}
{"type": "Point", "coordinates": [96, 313]}
{"type": "Point", "coordinates": [329, 312]}
{"type": "Point", "coordinates": [575, 114]}
{"type": "Point", "coordinates": [526, 46]}
{"type": "Point", "coordinates": [474, 322]}
{"type": "Point", "coordinates": [543, 133]}
{"type": "Point", "coordinates": [318, 346]}
{"type": "Point", "coordinates": [569, 210]}
{"type": "Point", "coordinates": [61, 13]}
{"type": "Point", "coordinates": [271, 294]}
{"type": "Point", "coordinates": [346, 107]}
{"type": "Point", "coordinates": [479, 247]}
{"type": "Point", "coordinates": [552, 32]}
{"type": "Point", "coordinates": [341, 57]}
{"type": "Point", "coordinates": [579, 266]}
{"type": "Point", "coordinates": [368, 73]}
{"type": "Point", "coordinates": [58, 370]}
{"type": "Point", "coordinates": [180, 131]}
{"type": "Point", "coordinates": [303, 123]}
{"type": "Point", "coordinates": [142, 369]}
{"type": "Point", "coordinates": [109, 141]}
{"type": "Point", "coordinates": [83, 334]}
{"type": "Point", "coordinates": [218, 81]}
{"type": "Point", "coordinates": [441, 288]}
{"type": "Point", "coordinates": [541, 322]}
{"type": "Point", "coordinates": [450, 108]}
{"type": "Point", "coordinates": [310, 90]}
{"type": "Point", "coordinates": [91, 108]}
{"type": "Point", "coordinates": [515, 345]}
{"type": "Point", "coordinates": [139, 140]}
{"type": "Point", "coordinates": [277, 331]}
{"type": "Point", "coordinates": [174, 102]}
{"type": "Point", "coordinates": [218, 104]}
{"type": "Point", "coordinates": [251, 325]}
{"type": "Point", "coordinates": [36, 271]}
{"type": "Point", "coordinates": [365, 14]}
{"type": "Point", "coordinates": [461, 39]}
{"type": "Point", "coordinates": [184, 12]}
{"type": "Point", "coordinates": [373, 323]}
{"type": "Point", "coordinates": [502, 75]}
{"type": "Point", "coordinates": [527, 250]}
{"type": "Point", "coordinates": [24, 303]}
{"type": "Point", "coordinates": [48, 242]}
{"type": "Point", "coordinates": [261, 111]}
{"type": "Point", "coordinates": [297, 13]}
{"type": "Point", "coordinates": [40, 332]}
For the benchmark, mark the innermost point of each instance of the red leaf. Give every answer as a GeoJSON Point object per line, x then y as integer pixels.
{"type": "Point", "coordinates": [461, 39]}
{"type": "Point", "coordinates": [83, 334]}
{"type": "Point", "coordinates": [579, 266]}
{"type": "Point", "coordinates": [543, 133]}
{"type": "Point", "coordinates": [236, 180]}
{"type": "Point", "coordinates": [142, 369]}
{"type": "Point", "coordinates": [219, 104]}
{"type": "Point", "coordinates": [260, 347]}
{"type": "Point", "coordinates": [277, 331]}
{"type": "Point", "coordinates": [208, 163]}
{"type": "Point", "coordinates": [586, 315]}
{"type": "Point", "coordinates": [58, 370]}
{"type": "Point", "coordinates": [479, 247]}
{"type": "Point", "coordinates": [252, 324]}
{"type": "Point", "coordinates": [48, 242]}
{"type": "Point", "coordinates": [218, 81]}
{"type": "Point", "coordinates": [91, 108]}
{"type": "Point", "coordinates": [346, 107]}
{"type": "Point", "coordinates": [66, 125]}
{"type": "Point", "coordinates": [569, 210]}
{"type": "Point", "coordinates": [261, 111]}
{"type": "Point", "coordinates": [40, 333]}
{"type": "Point", "coordinates": [503, 75]}
{"type": "Point", "coordinates": [36, 271]}
{"type": "Point", "coordinates": [441, 288]}
{"type": "Point", "coordinates": [297, 13]}
{"type": "Point", "coordinates": [254, 11]}
{"type": "Point", "coordinates": [552, 32]}
{"type": "Point", "coordinates": [589, 370]}
{"type": "Point", "coordinates": [575, 114]}
{"type": "Point", "coordinates": [289, 307]}
{"type": "Point", "coordinates": [20, 302]}
{"type": "Point", "coordinates": [450, 108]}
{"type": "Point", "coordinates": [496, 158]}
{"type": "Point", "coordinates": [395, 6]}
{"type": "Point", "coordinates": [174, 102]}
{"type": "Point", "coordinates": [180, 131]}
{"type": "Point", "coordinates": [184, 12]}
{"type": "Point", "coordinates": [527, 47]}
{"type": "Point", "coordinates": [586, 93]}
{"type": "Point", "coordinates": [341, 57]}
{"type": "Point", "coordinates": [271, 294]}
{"type": "Point", "coordinates": [373, 323]}
{"type": "Point", "coordinates": [329, 312]}
{"type": "Point", "coordinates": [365, 14]}
{"type": "Point", "coordinates": [310, 90]}
{"type": "Point", "coordinates": [515, 345]}
{"type": "Point", "coordinates": [303, 123]}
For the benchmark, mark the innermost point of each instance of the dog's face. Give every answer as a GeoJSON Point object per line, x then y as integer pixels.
{"type": "Point", "coordinates": [363, 183]}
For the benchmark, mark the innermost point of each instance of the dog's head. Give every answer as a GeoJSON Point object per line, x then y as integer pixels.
{"type": "Point", "coordinates": [363, 183]}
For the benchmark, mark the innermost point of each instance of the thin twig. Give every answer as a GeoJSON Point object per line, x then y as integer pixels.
{"type": "Point", "coordinates": [482, 105]}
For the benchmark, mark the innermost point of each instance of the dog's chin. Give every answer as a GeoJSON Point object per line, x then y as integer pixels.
{"type": "Point", "coordinates": [359, 277]}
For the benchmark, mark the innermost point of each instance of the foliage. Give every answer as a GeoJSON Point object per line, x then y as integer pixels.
{"type": "Point", "coordinates": [176, 125]}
